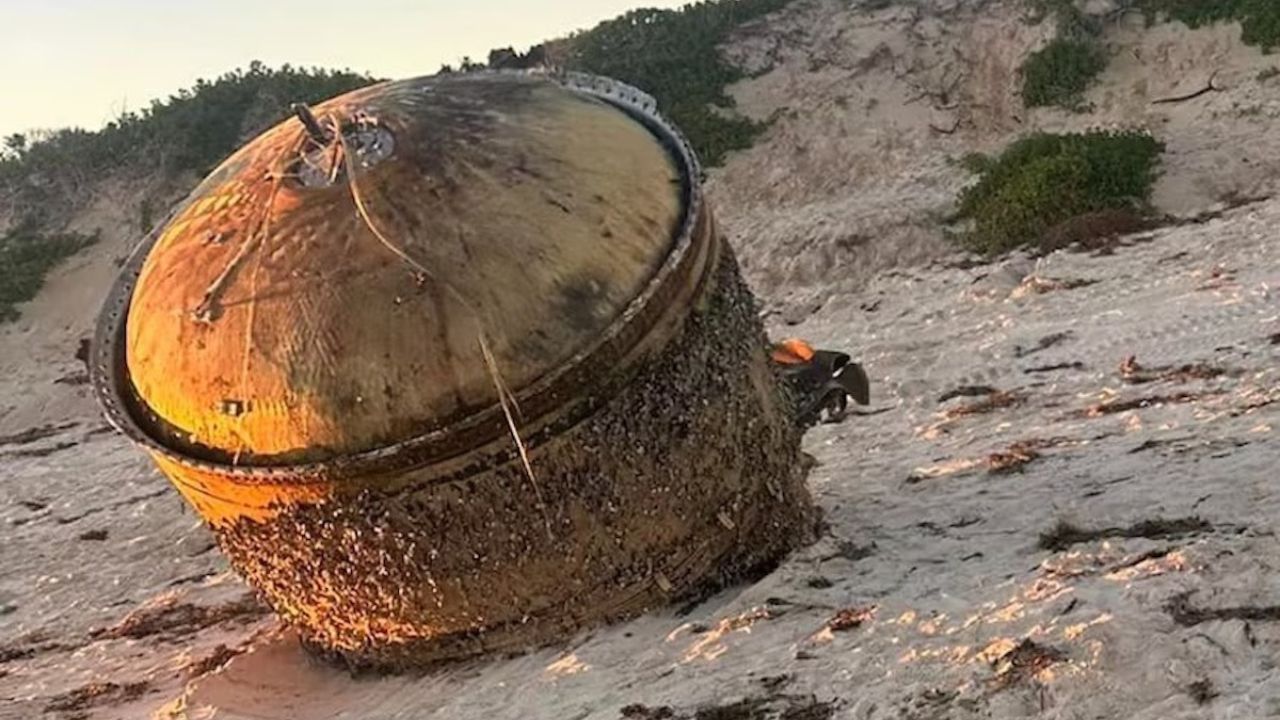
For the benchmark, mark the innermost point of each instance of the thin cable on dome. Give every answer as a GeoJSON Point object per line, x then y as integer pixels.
{"type": "Point", "coordinates": [503, 396]}
{"type": "Point", "coordinates": [506, 398]}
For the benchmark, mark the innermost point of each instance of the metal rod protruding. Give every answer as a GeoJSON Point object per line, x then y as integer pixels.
{"type": "Point", "coordinates": [309, 121]}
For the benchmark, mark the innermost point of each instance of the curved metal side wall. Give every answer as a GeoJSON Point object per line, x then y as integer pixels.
{"type": "Point", "coordinates": [687, 479]}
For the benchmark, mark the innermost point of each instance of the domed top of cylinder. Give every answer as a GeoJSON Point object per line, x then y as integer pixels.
{"type": "Point", "coordinates": [395, 259]}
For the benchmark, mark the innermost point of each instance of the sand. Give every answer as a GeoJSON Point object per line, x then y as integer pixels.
{"type": "Point", "coordinates": [935, 519]}
{"type": "Point", "coordinates": [872, 110]}
{"type": "Point", "coordinates": [1072, 535]}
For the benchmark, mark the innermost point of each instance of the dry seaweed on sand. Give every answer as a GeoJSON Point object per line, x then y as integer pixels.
{"type": "Point", "coordinates": [219, 656]}
{"type": "Point", "coordinates": [1023, 452]}
{"type": "Point", "coordinates": [1024, 663]}
{"type": "Point", "coordinates": [1077, 365]}
{"type": "Point", "coordinates": [1037, 285]}
{"type": "Point", "coordinates": [1044, 343]}
{"type": "Point", "coordinates": [770, 707]}
{"type": "Point", "coordinates": [35, 434]}
{"type": "Point", "coordinates": [172, 618]}
{"type": "Point", "coordinates": [1202, 691]}
{"type": "Point", "coordinates": [1012, 459]}
{"type": "Point", "coordinates": [967, 391]}
{"type": "Point", "coordinates": [1185, 614]}
{"type": "Point", "coordinates": [39, 452]}
{"type": "Point", "coordinates": [96, 694]}
{"type": "Point", "coordinates": [995, 401]}
{"type": "Point", "coordinates": [1064, 535]}
{"type": "Point", "coordinates": [1134, 373]}
{"type": "Point", "coordinates": [851, 618]}
{"type": "Point", "coordinates": [1111, 407]}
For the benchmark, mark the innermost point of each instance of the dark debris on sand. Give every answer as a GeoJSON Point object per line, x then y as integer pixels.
{"type": "Point", "coordinates": [39, 452]}
{"type": "Point", "coordinates": [967, 391]}
{"type": "Point", "coordinates": [1185, 614]}
{"type": "Point", "coordinates": [76, 703]}
{"type": "Point", "coordinates": [1077, 365]}
{"type": "Point", "coordinates": [769, 707]}
{"type": "Point", "coordinates": [1013, 459]}
{"type": "Point", "coordinates": [219, 656]}
{"type": "Point", "coordinates": [1042, 344]}
{"type": "Point", "coordinates": [1064, 535]}
{"type": "Point", "coordinates": [1134, 373]}
{"type": "Point", "coordinates": [997, 400]}
{"type": "Point", "coordinates": [35, 434]}
{"type": "Point", "coordinates": [1023, 663]}
{"type": "Point", "coordinates": [172, 618]}
{"type": "Point", "coordinates": [29, 646]}
{"type": "Point", "coordinates": [1111, 407]}
{"type": "Point", "coordinates": [1202, 691]}
{"type": "Point", "coordinates": [1022, 453]}
{"type": "Point", "coordinates": [851, 618]}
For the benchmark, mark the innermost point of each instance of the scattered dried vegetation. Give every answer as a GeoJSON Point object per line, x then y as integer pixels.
{"type": "Point", "coordinates": [219, 656]}
{"type": "Point", "coordinates": [997, 400]}
{"type": "Point", "coordinates": [1134, 373]}
{"type": "Point", "coordinates": [1065, 535]}
{"type": "Point", "coordinates": [78, 702]}
{"type": "Point", "coordinates": [770, 707]}
{"type": "Point", "coordinates": [851, 618]}
{"type": "Point", "coordinates": [1112, 407]}
{"type": "Point", "coordinates": [171, 618]}
{"type": "Point", "coordinates": [1185, 614]}
{"type": "Point", "coordinates": [1024, 664]}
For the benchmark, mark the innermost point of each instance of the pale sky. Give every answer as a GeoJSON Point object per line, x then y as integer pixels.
{"type": "Point", "coordinates": [81, 62]}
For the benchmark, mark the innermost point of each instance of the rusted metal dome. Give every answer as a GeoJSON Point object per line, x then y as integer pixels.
{"type": "Point", "coordinates": [320, 313]}
{"type": "Point", "coordinates": [458, 364]}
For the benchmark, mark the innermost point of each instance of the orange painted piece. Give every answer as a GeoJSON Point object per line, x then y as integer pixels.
{"type": "Point", "coordinates": [220, 500]}
{"type": "Point", "coordinates": [792, 351]}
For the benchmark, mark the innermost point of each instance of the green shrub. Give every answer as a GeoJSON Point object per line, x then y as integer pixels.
{"type": "Point", "coordinates": [1259, 18]}
{"type": "Point", "coordinates": [674, 55]}
{"type": "Point", "coordinates": [1059, 73]}
{"type": "Point", "coordinates": [1044, 179]}
{"type": "Point", "coordinates": [26, 256]}
{"type": "Point", "coordinates": [1072, 23]}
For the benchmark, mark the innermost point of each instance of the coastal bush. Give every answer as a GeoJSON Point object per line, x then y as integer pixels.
{"type": "Point", "coordinates": [26, 257]}
{"type": "Point", "coordinates": [1260, 19]}
{"type": "Point", "coordinates": [674, 55]}
{"type": "Point", "coordinates": [1059, 73]}
{"type": "Point", "coordinates": [1044, 179]}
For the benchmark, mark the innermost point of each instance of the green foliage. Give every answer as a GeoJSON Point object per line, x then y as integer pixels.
{"type": "Point", "coordinates": [1259, 18]}
{"type": "Point", "coordinates": [190, 131]}
{"type": "Point", "coordinates": [1072, 23]}
{"type": "Point", "coordinates": [26, 256]}
{"type": "Point", "coordinates": [674, 56]}
{"type": "Point", "coordinates": [1059, 73]}
{"type": "Point", "coordinates": [1044, 179]}
{"type": "Point", "coordinates": [976, 162]}
{"type": "Point", "coordinates": [1063, 70]}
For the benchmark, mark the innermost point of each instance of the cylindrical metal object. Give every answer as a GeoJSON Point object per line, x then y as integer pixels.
{"type": "Point", "coordinates": [465, 368]}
